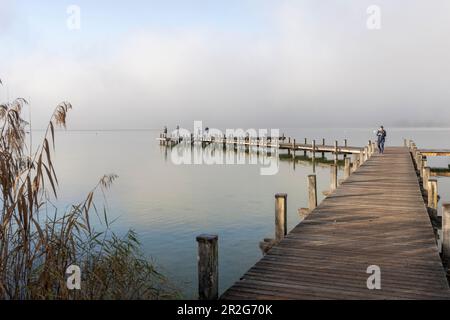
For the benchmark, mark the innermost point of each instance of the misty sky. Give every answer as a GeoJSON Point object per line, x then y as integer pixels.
{"type": "Point", "coordinates": [230, 63]}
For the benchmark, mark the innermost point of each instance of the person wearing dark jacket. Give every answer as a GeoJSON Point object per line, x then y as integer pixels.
{"type": "Point", "coordinates": [381, 134]}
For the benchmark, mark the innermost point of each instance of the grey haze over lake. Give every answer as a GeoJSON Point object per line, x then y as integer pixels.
{"type": "Point", "coordinates": [251, 64]}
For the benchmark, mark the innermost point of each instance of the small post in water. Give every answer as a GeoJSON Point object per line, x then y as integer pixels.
{"type": "Point", "coordinates": [208, 267]}
{"type": "Point", "coordinates": [280, 216]}
{"type": "Point", "coordinates": [355, 162]}
{"type": "Point", "coordinates": [306, 142]}
{"type": "Point", "coordinates": [312, 186]}
{"type": "Point", "coordinates": [313, 152]}
{"type": "Point", "coordinates": [323, 144]}
{"type": "Point", "coordinates": [336, 149]}
{"type": "Point", "coordinates": [334, 180]}
{"type": "Point", "coordinates": [446, 233]}
{"type": "Point", "coordinates": [347, 170]}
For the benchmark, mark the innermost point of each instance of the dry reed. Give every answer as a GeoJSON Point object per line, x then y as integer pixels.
{"type": "Point", "coordinates": [36, 248]}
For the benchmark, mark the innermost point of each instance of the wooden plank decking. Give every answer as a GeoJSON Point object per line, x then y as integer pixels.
{"type": "Point", "coordinates": [376, 217]}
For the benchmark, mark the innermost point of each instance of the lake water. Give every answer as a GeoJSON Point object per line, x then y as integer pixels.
{"type": "Point", "coordinates": [169, 205]}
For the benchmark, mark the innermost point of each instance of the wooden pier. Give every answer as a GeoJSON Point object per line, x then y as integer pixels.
{"type": "Point", "coordinates": [435, 152]}
{"type": "Point", "coordinates": [281, 143]}
{"type": "Point", "coordinates": [375, 220]}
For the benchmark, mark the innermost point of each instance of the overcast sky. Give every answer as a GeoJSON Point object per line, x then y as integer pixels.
{"type": "Point", "coordinates": [230, 63]}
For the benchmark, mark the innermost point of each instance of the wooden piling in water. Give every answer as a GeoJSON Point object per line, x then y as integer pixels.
{"type": "Point", "coordinates": [312, 187]}
{"type": "Point", "coordinates": [336, 149]}
{"type": "Point", "coordinates": [334, 180]}
{"type": "Point", "coordinates": [306, 142]}
{"type": "Point", "coordinates": [347, 169]}
{"type": "Point", "coordinates": [355, 162]}
{"type": "Point", "coordinates": [313, 152]}
{"type": "Point", "coordinates": [446, 234]}
{"type": "Point", "coordinates": [293, 148]}
{"type": "Point", "coordinates": [323, 144]}
{"type": "Point", "coordinates": [432, 194]}
{"type": "Point", "coordinates": [280, 216]}
{"type": "Point", "coordinates": [208, 267]}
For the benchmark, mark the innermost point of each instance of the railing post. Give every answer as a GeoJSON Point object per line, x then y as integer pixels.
{"type": "Point", "coordinates": [280, 216]}
{"type": "Point", "coordinates": [426, 177]}
{"type": "Point", "coordinates": [347, 170]}
{"type": "Point", "coordinates": [432, 193]}
{"type": "Point", "coordinates": [420, 165]}
{"type": "Point", "coordinates": [355, 162]}
{"type": "Point", "coordinates": [446, 233]}
{"type": "Point", "coordinates": [312, 186]}
{"type": "Point", "coordinates": [346, 143]}
{"type": "Point", "coordinates": [208, 267]}
{"type": "Point", "coordinates": [424, 162]}
{"type": "Point", "coordinates": [405, 143]}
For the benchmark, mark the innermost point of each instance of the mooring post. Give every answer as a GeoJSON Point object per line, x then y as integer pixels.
{"type": "Point", "coordinates": [426, 177]}
{"type": "Point", "coordinates": [306, 143]}
{"type": "Point", "coordinates": [347, 170]}
{"type": "Point", "coordinates": [432, 193]}
{"type": "Point", "coordinates": [405, 143]}
{"type": "Point", "coordinates": [361, 158]}
{"type": "Point", "coordinates": [355, 162]}
{"type": "Point", "coordinates": [336, 149]}
{"type": "Point", "coordinates": [280, 216]}
{"type": "Point", "coordinates": [370, 149]}
{"type": "Point", "coordinates": [313, 152]}
{"type": "Point", "coordinates": [334, 180]}
{"type": "Point", "coordinates": [446, 233]}
{"type": "Point", "coordinates": [312, 186]}
{"type": "Point", "coordinates": [323, 144]}
{"type": "Point", "coordinates": [293, 148]}
{"type": "Point", "coordinates": [208, 267]}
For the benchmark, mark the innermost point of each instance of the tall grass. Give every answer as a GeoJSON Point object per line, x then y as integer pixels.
{"type": "Point", "coordinates": [38, 243]}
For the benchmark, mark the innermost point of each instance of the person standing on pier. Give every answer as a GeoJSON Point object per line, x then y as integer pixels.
{"type": "Point", "coordinates": [381, 134]}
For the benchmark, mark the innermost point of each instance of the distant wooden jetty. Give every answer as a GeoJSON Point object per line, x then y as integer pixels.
{"type": "Point", "coordinates": [281, 143]}
{"type": "Point", "coordinates": [380, 218]}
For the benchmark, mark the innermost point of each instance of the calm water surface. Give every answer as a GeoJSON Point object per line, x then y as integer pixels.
{"type": "Point", "coordinates": [170, 205]}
